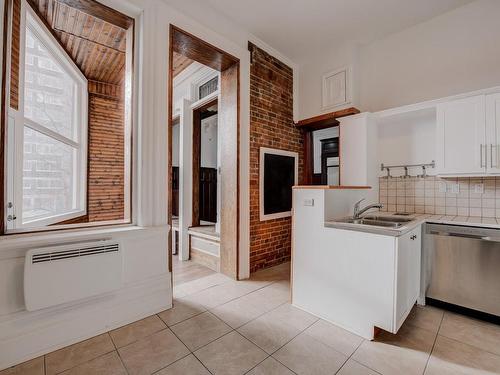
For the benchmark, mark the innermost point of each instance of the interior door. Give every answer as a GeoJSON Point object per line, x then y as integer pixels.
{"type": "Point", "coordinates": [461, 137]}
{"type": "Point", "coordinates": [493, 132]}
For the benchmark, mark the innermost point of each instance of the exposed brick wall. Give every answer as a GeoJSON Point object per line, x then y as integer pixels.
{"type": "Point", "coordinates": [271, 125]}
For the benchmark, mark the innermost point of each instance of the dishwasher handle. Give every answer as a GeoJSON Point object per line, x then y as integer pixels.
{"type": "Point", "coordinates": [465, 235]}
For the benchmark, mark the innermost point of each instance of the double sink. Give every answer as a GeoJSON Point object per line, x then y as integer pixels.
{"type": "Point", "coordinates": [378, 221]}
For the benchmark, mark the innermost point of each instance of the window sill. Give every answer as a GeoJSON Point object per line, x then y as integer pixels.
{"type": "Point", "coordinates": [15, 245]}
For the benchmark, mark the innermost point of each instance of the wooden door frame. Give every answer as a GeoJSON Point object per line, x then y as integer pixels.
{"type": "Point", "coordinates": [196, 49]}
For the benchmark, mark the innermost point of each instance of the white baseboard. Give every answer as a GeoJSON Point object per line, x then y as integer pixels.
{"type": "Point", "coordinates": [27, 335]}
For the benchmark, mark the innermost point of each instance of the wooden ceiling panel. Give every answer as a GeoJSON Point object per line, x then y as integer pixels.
{"type": "Point", "coordinates": [91, 36]}
{"type": "Point", "coordinates": [180, 63]}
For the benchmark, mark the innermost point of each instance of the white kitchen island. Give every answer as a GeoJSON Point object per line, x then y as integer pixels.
{"type": "Point", "coordinates": [353, 279]}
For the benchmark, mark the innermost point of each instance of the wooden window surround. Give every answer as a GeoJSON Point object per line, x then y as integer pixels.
{"type": "Point", "coordinates": [108, 87]}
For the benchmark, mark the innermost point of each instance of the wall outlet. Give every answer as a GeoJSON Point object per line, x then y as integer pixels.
{"type": "Point", "coordinates": [309, 202]}
{"type": "Point", "coordinates": [455, 188]}
{"type": "Point", "coordinates": [479, 188]}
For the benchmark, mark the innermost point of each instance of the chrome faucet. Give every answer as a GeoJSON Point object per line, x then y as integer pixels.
{"type": "Point", "coordinates": [358, 212]}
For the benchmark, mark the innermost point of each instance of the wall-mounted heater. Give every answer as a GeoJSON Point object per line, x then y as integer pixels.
{"type": "Point", "coordinates": [60, 274]}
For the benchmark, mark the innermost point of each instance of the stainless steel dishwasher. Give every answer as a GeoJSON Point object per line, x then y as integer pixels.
{"type": "Point", "coordinates": [461, 266]}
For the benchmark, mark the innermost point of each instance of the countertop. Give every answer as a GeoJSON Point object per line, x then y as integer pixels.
{"type": "Point", "coordinates": [418, 219]}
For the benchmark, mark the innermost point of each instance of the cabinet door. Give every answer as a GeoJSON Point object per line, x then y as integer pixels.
{"type": "Point", "coordinates": [493, 132]}
{"type": "Point", "coordinates": [461, 136]}
{"type": "Point", "coordinates": [407, 275]}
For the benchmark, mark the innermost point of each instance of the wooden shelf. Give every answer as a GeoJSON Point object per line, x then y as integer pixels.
{"type": "Point", "coordinates": [326, 120]}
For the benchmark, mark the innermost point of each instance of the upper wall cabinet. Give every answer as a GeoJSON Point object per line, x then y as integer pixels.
{"type": "Point", "coordinates": [461, 137]}
{"type": "Point", "coordinates": [468, 136]}
{"type": "Point", "coordinates": [493, 132]}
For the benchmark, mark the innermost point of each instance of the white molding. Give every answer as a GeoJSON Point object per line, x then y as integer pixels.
{"type": "Point", "coordinates": [263, 151]}
{"type": "Point", "coordinates": [432, 104]}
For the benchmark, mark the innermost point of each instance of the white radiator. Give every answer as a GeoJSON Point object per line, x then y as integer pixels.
{"type": "Point", "coordinates": [55, 275]}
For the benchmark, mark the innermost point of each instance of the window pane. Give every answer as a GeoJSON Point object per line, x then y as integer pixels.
{"type": "Point", "coordinates": [49, 96]}
{"type": "Point", "coordinates": [48, 176]}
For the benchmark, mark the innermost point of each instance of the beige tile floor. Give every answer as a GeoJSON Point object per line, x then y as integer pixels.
{"type": "Point", "coordinates": [219, 326]}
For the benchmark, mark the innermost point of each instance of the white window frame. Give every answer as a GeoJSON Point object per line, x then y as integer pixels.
{"type": "Point", "coordinates": [17, 123]}
{"type": "Point", "coordinates": [274, 151]}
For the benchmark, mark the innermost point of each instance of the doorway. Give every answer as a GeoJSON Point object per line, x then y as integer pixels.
{"type": "Point", "coordinates": [203, 148]}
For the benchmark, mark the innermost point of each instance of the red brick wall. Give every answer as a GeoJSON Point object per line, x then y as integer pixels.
{"type": "Point", "coordinates": [271, 125]}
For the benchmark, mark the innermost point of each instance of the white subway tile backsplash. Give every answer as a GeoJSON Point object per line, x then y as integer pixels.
{"type": "Point", "coordinates": [476, 197]}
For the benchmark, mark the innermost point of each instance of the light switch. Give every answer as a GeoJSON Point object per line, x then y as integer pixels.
{"type": "Point", "coordinates": [309, 202]}
{"type": "Point", "coordinates": [478, 188]}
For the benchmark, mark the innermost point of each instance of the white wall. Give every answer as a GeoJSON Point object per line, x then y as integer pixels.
{"type": "Point", "coordinates": [312, 68]}
{"type": "Point", "coordinates": [175, 145]}
{"type": "Point", "coordinates": [447, 55]}
{"type": "Point", "coordinates": [209, 142]}
{"type": "Point", "coordinates": [407, 139]}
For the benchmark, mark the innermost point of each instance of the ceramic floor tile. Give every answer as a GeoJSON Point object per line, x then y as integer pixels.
{"type": "Point", "coordinates": [352, 367]}
{"type": "Point", "coordinates": [108, 364]}
{"type": "Point", "coordinates": [152, 353]}
{"type": "Point", "coordinates": [200, 330]}
{"type": "Point", "coordinates": [339, 339]}
{"type": "Point", "coordinates": [203, 283]}
{"type": "Point", "coordinates": [405, 353]}
{"type": "Point", "coordinates": [232, 354]}
{"type": "Point", "coordinates": [470, 331]}
{"type": "Point", "coordinates": [308, 356]}
{"type": "Point", "coordinates": [274, 329]}
{"type": "Point", "coordinates": [221, 294]}
{"type": "Point", "coordinates": [77, 354]}
{"type": "Point", "coordinates": [246, 308]}
{"type": "Point", "coordinates": [186, 366]}
{"type": "Point", "coordinates": [426, 317]}
{"type": "Point", "coordinates": [270, 366]}
{"type": "Point", "coordinates": [182, 309]}
{"type": "Point", "coordinates": [450, 357]}
{"type": "Point", "coordinates": [33, 367]}
{"type": "Point", "coordinates": [132, 332]}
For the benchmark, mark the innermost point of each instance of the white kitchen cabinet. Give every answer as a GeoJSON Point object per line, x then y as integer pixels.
{"type": "Point", "coordinates": [357, 150]}
{"type": "Point", "coordinates": [461, 137]}
{"type": "Point", "coordinates": [353, 279]}
{"type": "Point", "coordinates": [407, 274]}
{"type": "Point", "coordinates": [493, 133]}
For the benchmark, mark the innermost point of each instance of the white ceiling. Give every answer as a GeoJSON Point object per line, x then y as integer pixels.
{"type": "Point", "coordinates": [301, 27]}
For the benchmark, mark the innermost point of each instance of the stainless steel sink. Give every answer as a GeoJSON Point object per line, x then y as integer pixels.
{"type": "Point", "coordinates": [372, 222]}
{"type": "Point", "coordinates": [391, 219]}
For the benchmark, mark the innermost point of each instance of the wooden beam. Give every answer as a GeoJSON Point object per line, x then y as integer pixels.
{"type": "Point", "coordinates": [101, 11]}
{"type": "Point", "coordinates": [326, 120]}
{"type": "Point", "coordinates": [198, 50]}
